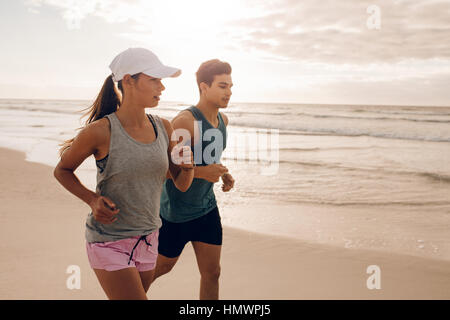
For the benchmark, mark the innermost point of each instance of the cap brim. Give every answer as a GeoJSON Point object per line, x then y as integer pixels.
{"type": "Point", "coordinates": [163, 72]}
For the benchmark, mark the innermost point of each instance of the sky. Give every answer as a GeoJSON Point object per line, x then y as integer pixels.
{"type": "Point", "coordinates": [389, 52]}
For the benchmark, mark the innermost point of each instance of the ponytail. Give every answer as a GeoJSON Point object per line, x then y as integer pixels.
{"type": "Point", "coordinates": [107, 102]}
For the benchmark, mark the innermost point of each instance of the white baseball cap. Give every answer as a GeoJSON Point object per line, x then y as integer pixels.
{"type": "Point", "coordinates": [137, 60]}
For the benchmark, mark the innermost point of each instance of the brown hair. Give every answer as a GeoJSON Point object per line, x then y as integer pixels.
{"type": "Point", "coordinates": [209, 69]}
{"type": "Point", "coordinates": [108, 101]}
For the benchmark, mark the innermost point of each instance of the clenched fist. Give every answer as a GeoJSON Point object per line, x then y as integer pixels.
{"type": "Point", "coordinates": [104, 210]}
{"type": "Point", "coordinates": [228, 182]}
{"type": "Point", "coordinates": [183, 157]}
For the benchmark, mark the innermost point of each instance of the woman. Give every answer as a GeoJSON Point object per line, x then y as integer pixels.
{"type": "Point", "coordinates": [133, 153]}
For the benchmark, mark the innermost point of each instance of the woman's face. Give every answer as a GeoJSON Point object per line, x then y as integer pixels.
{"type": "Point", "coordinates": [147, 90]}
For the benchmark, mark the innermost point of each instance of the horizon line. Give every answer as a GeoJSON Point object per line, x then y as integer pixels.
{"type": "Point", "coordinates": [261, 102]}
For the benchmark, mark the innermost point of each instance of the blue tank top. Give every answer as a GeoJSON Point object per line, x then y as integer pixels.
{"type": "Point", "coordinates": [199, 199]}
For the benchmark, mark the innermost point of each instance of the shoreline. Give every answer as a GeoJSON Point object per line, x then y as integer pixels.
{"type": "Point", "coordinates": [43, 233]}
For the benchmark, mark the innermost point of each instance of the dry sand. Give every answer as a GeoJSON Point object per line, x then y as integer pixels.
{"type": "Point", "coordinates": [42, 233]}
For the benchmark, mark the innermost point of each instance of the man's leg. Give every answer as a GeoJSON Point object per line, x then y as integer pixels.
{"type": "Point", "coordinates": [171, 242]}
{"type": "Point", "coordinates": [208, 260]}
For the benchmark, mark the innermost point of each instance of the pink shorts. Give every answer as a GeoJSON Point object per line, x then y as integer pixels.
{"type": "Point", "coordinates": [139, 252]}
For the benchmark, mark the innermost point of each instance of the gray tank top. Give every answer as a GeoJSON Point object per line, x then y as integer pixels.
{"type": "Point", "coordinates": [132, 178]}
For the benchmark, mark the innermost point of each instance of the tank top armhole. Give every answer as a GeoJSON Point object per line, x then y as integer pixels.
{"type": "Point", "coordinates": [223, 128]}
{"type": "Point", "coordinates": [195, 113]}
{"type": "Point", "coordinates": [163, 130]}
{"type": "Point", "coordinates": [155, 127]}
{"type": "Point", "coordinates": [221, 119]}
{"type": "Point", "coordinates": [197, 117]}
{"type": "Point", "coordinates": [105, 160]}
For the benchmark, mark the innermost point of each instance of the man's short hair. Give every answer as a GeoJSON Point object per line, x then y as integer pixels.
{"type": "Point", "coordinates": [209, 69]}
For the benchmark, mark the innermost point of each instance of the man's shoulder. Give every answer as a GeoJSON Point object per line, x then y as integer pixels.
{"type": "Point", "coordinates": [184, 119]}
{"type": "Point", "coordinates": [185, 114]}
{"type": "Point", "coordinates": [224, 117]}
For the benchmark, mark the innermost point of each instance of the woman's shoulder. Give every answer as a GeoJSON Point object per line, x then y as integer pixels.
{"type": "Point", "coordinates": [97, 130]}
{"type": "Point", "coordinates": [99, 126]}
{"type": "Point", "coordinates": [166, 123]}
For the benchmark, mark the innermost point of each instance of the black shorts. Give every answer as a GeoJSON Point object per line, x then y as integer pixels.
{"type": "Point", "coordinates": [174, 236]}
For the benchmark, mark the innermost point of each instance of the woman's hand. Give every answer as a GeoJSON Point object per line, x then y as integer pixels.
{"type": "Point", "coordinates": [183, 157]}
{"type": "Point", "coordinates": [104, 210]}
{"type": "Point", "coordinates": [181, 160]}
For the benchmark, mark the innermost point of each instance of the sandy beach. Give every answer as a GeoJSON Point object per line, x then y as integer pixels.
{"type": "Point", "coordinates": [42, 234]}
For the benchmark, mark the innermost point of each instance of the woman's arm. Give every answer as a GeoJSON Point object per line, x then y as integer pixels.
{"type": "Point", "coordinates": [85, 144]}
{"type": "Point", "coordinates": [185, 122]}
{"type": "Point", "coordinates": [181, 174]}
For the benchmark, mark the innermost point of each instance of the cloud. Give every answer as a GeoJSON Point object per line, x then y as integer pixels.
{"type": "Point", "coordinates": [285, 30]}
{"type": "Point", "coordinates": [337, 32]}
{"type": "Point", "coordinates": [318, 51]}
{"type": "Point", "coordinates": [75, 11]}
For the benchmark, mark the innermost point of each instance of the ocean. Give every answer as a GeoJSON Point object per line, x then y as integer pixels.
{"type": "Point", "coordinates": [371, 177]}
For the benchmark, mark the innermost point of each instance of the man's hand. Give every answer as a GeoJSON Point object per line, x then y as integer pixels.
{"type": "Point", "coordinates": [228, 182]}
{"type": "Point", "coordinates": [212, 172]}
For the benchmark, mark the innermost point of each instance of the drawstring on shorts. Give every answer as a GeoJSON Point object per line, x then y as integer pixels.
{"type": "Point", "coordinates": [139, 240]}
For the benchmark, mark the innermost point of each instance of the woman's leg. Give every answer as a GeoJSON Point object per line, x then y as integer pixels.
{"type": "Point", "coordinates": [124, 284]}
{"type": "Point", "coordinates": [147, 278]}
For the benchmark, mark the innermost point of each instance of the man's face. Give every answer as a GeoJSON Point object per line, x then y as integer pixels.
{"type": "Point", "coordinates": [220, 91]}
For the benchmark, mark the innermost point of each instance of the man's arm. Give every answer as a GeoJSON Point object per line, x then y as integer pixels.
{"type": "Point", "coordinates": [227, 179]}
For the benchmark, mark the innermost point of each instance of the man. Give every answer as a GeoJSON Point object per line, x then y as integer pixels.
{"type": "Point", "coordinates": [193, 215]}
